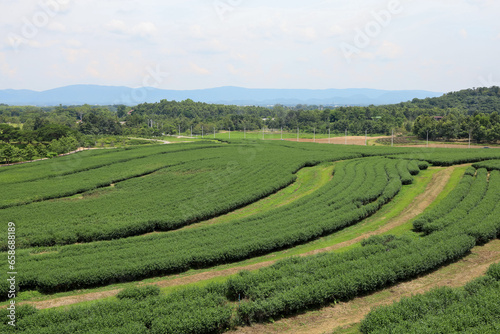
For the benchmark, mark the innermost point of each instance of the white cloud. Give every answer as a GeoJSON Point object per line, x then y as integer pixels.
{"type": "Point", "coordinates": [74, 43]}
{"type": "Point", "coordinates": [75, 55]}
{"type": "Point", "coordinates": [92, 69]}
{"type": "Point", "coordinates": [196, 31]}
{"type": "Point", "coordinates": [336, 30]}
{"type": "Point", "coordinates": [213, 46]}
{"type": "Point", "coordinates": [5, 68]}
{"type": "Point", "coordinates": [117, 26]}
{"type": "Point", "coordinates": [306, 35]}
{"type": "Point", "coordinates": [57, 27]}
{"type": "Point", "coordinates": [389, 50]}
{"type": "Point", "coordinates": [199, 70]}
{"type": "Point", "coordinates": [142, 29]}
{"type": "Point", "coordinates": [277, 44]}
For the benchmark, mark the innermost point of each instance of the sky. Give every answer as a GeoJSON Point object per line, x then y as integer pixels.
{"type": "Point", "coordinates": [436, 45]}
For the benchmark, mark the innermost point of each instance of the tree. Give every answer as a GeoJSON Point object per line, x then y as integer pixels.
{"type": "Point", "coordinates": [68, 144]}
{"type": "Point", "coordinates": [121, 111]}
{"type": "Point", "coordinates": [100, 122]}
{"type": "Point", "coordinates": [8, 133]}
{"type": "Point", "coordinates": [9, 153]}
{"type": "Point", "coordinates": [29, 152]}
{"type": "Point", "coordinates": [39, 123]}
{"type": "Point", "coordinates": [63, 145]}
{"type": "Point", "coordinates": [28, 135]}
{"type": "Point", "coordinates": [53, 131]}
{"type": "Point", "coordinates": [424, 125]}
{"type": "Point", "coordinates": [42, 150]}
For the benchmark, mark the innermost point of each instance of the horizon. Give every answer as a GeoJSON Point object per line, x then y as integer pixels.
{"type": "Point", "coordinates": [229, 86]}
{"type": "Point", "coordinates": [381, 44]}
{"type": "Point", "coordinates": [228, 95]}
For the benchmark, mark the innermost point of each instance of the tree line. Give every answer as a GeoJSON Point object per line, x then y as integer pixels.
{"type": "Point", "coordinates": [454, 115]}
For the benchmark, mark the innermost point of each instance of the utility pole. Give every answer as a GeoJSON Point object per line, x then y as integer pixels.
{"type": "Point", "coordinates": [179, 129]}
{"type": "Point", "coordinates": [329, 141]}
{"type": "Point", "coordinates": [314, 135]}
{"type": "Point", "coordinates": [345, 136]}
{"type": "Point", "coordinates": [392, 138]}
{"type": "Point", "coordinates": [366, 137]}
{"type": "Point", "coordinates": [281, 133]}
{"type": "Point", "coordinates": [470, 135]}
{"type": "Point", "coordinates": [297, 134]}
{"type": "Point", "coordinates": [427, 138]}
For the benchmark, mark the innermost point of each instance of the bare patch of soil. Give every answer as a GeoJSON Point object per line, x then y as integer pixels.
{"type": "Point", "coordinates": [445, 146]}
{"type": "Point", "coordinates": [63, 301]}
{"type": "Point", "coordinates": [360, 140]}
{"type": "Point", "coordinates": [351, 140]}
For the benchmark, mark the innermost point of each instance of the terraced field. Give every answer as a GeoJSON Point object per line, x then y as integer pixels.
{"type": "Point", "coordinates": [218, 227]}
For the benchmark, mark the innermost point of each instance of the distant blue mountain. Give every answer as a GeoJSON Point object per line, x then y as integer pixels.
{"type": "Point", "coordinates": [109, 95]}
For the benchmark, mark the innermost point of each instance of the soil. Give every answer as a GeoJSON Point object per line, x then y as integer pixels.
{"type": "Point", "coordinates": [155, 140]}
{"type": "Point", "coordinates": [351, 140]}
{"type": "Point", "coordinates": [419, 204]}
{"type": "Point", "coordinates": [360, 140]}
{"type": "Point", "coordinates": [445, 146]}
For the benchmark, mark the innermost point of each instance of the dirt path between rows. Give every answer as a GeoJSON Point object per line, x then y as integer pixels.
{"type": "Point", "coordinates": [351, 140]}
{"type": "Point", "coordinates": [344, 315]}
{"type": "Point", "coordinates": [149, 139]}
{"type": "Point", "coordinates": [419, 204]}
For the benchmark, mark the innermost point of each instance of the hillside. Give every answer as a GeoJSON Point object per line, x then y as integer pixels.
{"type": "Point", "coordinates": [109, 95]}
{"type": "Point", "coordinates": [475, 100]}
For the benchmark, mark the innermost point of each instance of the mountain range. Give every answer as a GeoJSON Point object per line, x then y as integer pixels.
{"type": "Point", "coordinates": [111, 95]}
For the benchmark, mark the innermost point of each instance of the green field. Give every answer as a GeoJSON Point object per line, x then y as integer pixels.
{"type": "Point", "coordinates": [110, 218]}
{"type": "Point", "coordinates": [267, 134]}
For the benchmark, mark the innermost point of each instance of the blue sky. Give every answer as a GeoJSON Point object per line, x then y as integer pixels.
{"type": "Point", "coordinates": [439, 45]}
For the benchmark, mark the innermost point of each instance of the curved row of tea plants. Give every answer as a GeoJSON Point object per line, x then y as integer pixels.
{"type": "Point", "coordinates": [358, 189]}
{"type": "Point", "coordinates": [473, 196]}
{"type": "Point", "coordinates": [216, 181]}
{"type": "Point", "coordinates": [171, 201]}
{"type": "Point", "coordinates": [489, 165]}
{"type": "Point", "coordinates": [188, 311]}
{"type": "Point", "coordinates": [449, 157]}
{"type": "Point", "coordinates": [471, 309]}
{"type": "Point", "coordinates": [447, 204]}
{"type": "Point", "coordinates": [71, 184]}
{"type": "Point", "coordinates": [298, 284]}
{"type": "Point", "coordinates": [85, 160]}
